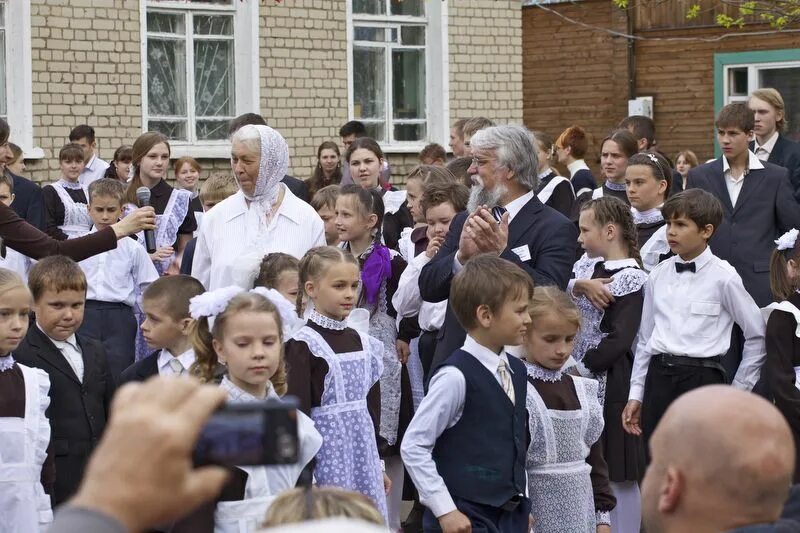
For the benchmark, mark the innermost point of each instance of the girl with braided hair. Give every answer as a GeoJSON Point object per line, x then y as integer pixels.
{"type": "Point", "coordinates": [604, 345]}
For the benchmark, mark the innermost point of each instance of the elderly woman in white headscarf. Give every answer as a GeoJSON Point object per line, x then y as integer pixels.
{"type": "Point", "coordinates": [263, 217]}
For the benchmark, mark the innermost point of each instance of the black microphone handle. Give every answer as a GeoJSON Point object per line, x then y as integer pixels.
{"type": "Point", "coordinates": [150, 241]}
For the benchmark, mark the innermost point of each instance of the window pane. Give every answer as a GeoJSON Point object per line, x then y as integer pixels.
{"type": "Point", "coordinates": [737, 81]}
{"type": "Point", "coordinates": [787, 82]}
{"type": "Point", "coordinates": [361, 33]}
{"type": "Point", "coordinates": [3, 14]}
{"type": "Point", "coordinates": [166, 78]}
{"type": "Point", "coordinates": [214, 93]}
{"type": "Point", "coordinates": [212, 130]}
{"type": "Point", "coordinates": [376, 130]}
{"type": "Point", "coordinates": [414, 8]}
{"type": "Point", "coordinates": [213, 25]}
{"type": "Point", "coordinates": [369, 82]}
{"type": "Point", "coordinates": [409, 132]}
{"type": "Point", "coordinates": [413, 35]}
{"type": "Point", "coordinates": [408, 73]}
{"type": "Point", "coordinates": [165, 23]}
{"type": "Point", "coordinates": [173, 130]}
{"type": "Point", "coordinates": [369, 7]}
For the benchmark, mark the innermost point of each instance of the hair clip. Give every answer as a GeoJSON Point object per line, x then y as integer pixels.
{"type": "Point", "coordinates": [787, 240]}
{"type": "Point", "coordinates": [653, 158]}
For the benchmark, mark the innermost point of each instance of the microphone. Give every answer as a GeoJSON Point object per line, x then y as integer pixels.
{"type": "Point", "coordinates": [143, 196]}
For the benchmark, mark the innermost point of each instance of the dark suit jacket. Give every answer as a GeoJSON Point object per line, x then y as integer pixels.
{"type": "Point", "coordinates": [77, 411]}
{"type": "Point", "coordinates": [551, 240]}
{"type": "Point", "coordinates": [141, 370]}
{"type": "Point", "coordinates": [786, 154]}
{"type": "Point", "coordinates": [298, 187]}
{"type": "Point", "coordinates": [28, 202]}
{"type": "Point", "coordinates": [764, 210]}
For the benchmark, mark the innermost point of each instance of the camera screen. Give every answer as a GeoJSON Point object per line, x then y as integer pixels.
{"type": "Point", "coordinates": [232, 438]}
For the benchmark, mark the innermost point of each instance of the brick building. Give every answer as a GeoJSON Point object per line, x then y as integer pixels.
{"type": "Point", "coordinates": [575, 71]}
{"type": "Point", "coordinates": [185, 67]}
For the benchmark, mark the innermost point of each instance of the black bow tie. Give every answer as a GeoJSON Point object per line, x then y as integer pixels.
{"type": "Point", "coordinates": [683, 267]}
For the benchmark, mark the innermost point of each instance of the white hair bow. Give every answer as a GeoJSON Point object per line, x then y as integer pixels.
{"type": "Point", "coordinates": [787, 240]}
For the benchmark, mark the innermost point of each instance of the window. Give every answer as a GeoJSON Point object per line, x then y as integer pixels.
{"type": "Point", "coordinates": [739, 74]}
{"type": "Point", "coordinates": [196, 77]}
{"type": "Point", "coordinates": [397, 70]}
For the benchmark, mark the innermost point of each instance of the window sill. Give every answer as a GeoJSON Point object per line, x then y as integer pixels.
{"type": "Point", "coordinates": [403, 148]}
{"type": "Point", "coordinates": [212, 151]}
{"type": "Point", "coordinates": [33, 153]}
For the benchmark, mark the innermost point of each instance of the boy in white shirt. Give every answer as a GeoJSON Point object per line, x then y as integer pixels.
{"type": "Point", "coordinates": [115, 280]}
{"type": "Point", "coordinates": [691, 302]}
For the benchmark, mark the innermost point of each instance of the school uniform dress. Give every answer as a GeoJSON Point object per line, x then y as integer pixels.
{"type": "Point", "coordinates": [173, 218]}
{"type": "Point", "coordinates": [603, 347]}
{"type": "Point", "coordinates": [466, 446]}
{"type": "Point", "coordinates": [782, 366]}
{"type": "Point", "coordinates": [581, 177]}
{"type": "Point", "coordinates": [334, 371]}
{"type": "Point", "coordinates": [93, 171]}
{"type": "Point", "coordinates": [689, 310]}
{"type": "Point", "coordinates": [66, 211]}
{"type": "Point", "coordinates": [609, 188]}
{"type": "Point", "coordinates": [567, 475]}
{"type": "Point", "coordinates": [26, 466]}
{"type": "Point", "coordinates": [80, 394]}
{"type": "Point", "coordinates": [651, 236]}
{"type": "Point", "coordinates": [396, 217]}
{"type": "Point", "coordinates": [556, 191]}
{"type": "Point", "coordinates": [116, 279]}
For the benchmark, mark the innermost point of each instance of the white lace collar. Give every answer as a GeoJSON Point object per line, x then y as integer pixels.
{"type": "Point", "coordinates": [543, 374]}
{"type": "Point", "coordinates": [70, 184]}
{"type": "Point", "coordinates": [617, 264]}
{"type": "Point", "coordinates": [6, 362]}
{"type": "Point", "coordinates": [650, 216]}
{"type": "Point", "coordinates": [327, 322]}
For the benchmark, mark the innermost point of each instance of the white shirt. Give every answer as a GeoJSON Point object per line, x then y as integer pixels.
{"type": "Point", "coordinates": [115, 275]}
{"type": "Point", "coordinates": [187, 359]}
{"type": "Point", "coordinates": [71, 352]}
{"type": "Point", "coordinates": [763, 151]}
{"type": "Point", "coordinates": [408, 302]}
{"type": "Point", "coordinates": [734, 183]}
{"type": "Point", "coordinates": [93, 171]}
{"type": "Point", "coordinates": [441, 409]}
{"type": "Point", "coordinates": [229, 253]}
{"type": "Point", "coordinates": [16, 262]}
{"type": "Point", "coordinates": [691, 314]}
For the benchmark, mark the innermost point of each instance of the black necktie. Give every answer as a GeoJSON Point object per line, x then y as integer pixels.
{"type": "Point", "coordinates": [683, 267]}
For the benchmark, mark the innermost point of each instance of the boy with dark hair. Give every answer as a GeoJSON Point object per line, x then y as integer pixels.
{"type": "Point", "coordinates": [465, 448]}
{"type": "Point", "coordinates": [115, 279]}
{"type": "Point", "coordinates": [643, 128]}
{"type": "Point", "coordinates": [65, 201]}
{"type": "Point", "coordinates": [81, 386]}
{"type": "Point", "coordinates": [166, 329]}
{"type": "Point", "coordinates": [691, 302]}
{"type": "Point", "coordinates": [756, 196]}
{"type": "Point", "coordinates": [433, 154]}
{"type": "Point", "coordinates": [95, 168]}
{"type": "Point", "coordinates": [324, 203]}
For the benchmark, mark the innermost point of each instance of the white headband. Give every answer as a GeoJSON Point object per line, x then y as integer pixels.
{"type": "Point", "coordinates": [787, 240]}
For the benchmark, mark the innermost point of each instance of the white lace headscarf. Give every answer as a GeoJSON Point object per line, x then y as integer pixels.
{"type": "Point", "coordinates": [272, 168]}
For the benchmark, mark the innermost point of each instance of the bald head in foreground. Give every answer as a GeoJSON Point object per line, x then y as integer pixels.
{"type": "Point", "coordinates": [722, 459]}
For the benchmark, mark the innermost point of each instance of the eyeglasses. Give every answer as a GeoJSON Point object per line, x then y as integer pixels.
{"type": "Point", "coordinates": [480, 162]}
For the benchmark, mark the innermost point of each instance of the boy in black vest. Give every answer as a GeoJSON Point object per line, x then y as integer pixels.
{"type": "Point", "coordinates": [465, 447]}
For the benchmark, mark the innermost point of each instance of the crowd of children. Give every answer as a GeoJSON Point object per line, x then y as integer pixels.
{"type": "Point", "coordinates": [541, 419]}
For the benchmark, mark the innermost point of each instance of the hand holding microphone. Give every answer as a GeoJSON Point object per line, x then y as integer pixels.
{"type": "Point", "coordinates": [143, 196]}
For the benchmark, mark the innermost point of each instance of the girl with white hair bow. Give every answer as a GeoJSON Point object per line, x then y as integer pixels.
{"type": "Point", "coordinates": [263, 217]}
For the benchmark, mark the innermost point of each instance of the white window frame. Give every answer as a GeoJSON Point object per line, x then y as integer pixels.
{"type": "Point", "coordinates": [246, 67]}
{"type": "Point", "coordinates": [437, 64]}
{"type": "Point", "coordinates": [19, 80]}
{"type": "Point", "coordinates": [752, 77]}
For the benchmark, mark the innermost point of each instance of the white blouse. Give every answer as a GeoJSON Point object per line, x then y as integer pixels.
{"type": "Point", "coordinates": [229, 250]}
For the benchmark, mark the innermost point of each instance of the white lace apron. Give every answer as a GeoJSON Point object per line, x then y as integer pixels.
{"type": "Point", "coordinates": [168, 223]}
{"type": "Point", "coordinates": [24, 506]}
{"type": "Point", "coordinates": [787, 307]}
{"type": "Point", "coordinates": [545, 194]}
{"type": "Point", "coordinates": [349, 455]}
{"type": "Point", "coordinates": [76, 215]}
{"type": "Point", "coordinates": [559, 483]}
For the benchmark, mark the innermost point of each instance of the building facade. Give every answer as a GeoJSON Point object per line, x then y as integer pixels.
{"type": "Point", "coordinates": [407, 68]}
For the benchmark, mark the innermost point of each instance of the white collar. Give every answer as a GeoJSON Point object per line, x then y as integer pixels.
{"type": "Point", "coordinates": [617, 264]}
{"type": "Point", "coordinates": [187, 358]}
{"type": "Point", "coordinates": [753, 163]}
{"type": "Point", "coordinates": [575, 166]}
{"type": "Point", "coordinates": [769, 145]}
{"type": "Point", "coordinates": [90, 165]}
{"type": "Point", "coordinates": [484, 355]}
{"type": "Point", "coordinates": [71, 341]}
{"type": "Point", "coordinates": [515, 206]}
{"type": "Point", "coordinates": [648, 216]}
{"type": "Point", "coordinates": [699, 261]}
{"type": "Point", "coordinates": [544, 173]}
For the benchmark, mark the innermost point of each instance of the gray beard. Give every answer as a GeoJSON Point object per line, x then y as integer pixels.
{"type": "Point", "coordinates": [479, 195]}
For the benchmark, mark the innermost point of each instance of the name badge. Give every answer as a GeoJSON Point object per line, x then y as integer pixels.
{"type": "Point", "coordinates": [523, 252]}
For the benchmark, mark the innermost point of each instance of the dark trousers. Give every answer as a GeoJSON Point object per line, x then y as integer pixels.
{"type": "Point", "coordinates": [664, 384]}
{"type": "Point", "coordinates": [114, 325]}
{"type": "Point", "coordinates": [485, 517]}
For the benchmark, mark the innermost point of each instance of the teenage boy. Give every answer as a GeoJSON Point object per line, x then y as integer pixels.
{"type": "Point", "coordinates": [114, 278]}
{"type": "Point", "coordinates": [756, 197]}
{"type": "Point", "coordinates": [80, 384]}
{"type": "Point", "coordinates": [13, 260]}
{"type": "Point", "coordinates": [770, 145]}
{"type": "Point", "coordinates": [324, 203]}
{"type": "Point", "coordinates": [65, 211]}
{"type": "Point", "coordinates": [95, 168]}
{"type": "Point", "coordinates": [166, 327]}
{"type": "Point", "coordinates": [691, 302]}
{"type": "Point", "coordinates": [466, 445]}
{"type": "Point", "coordinates": [213, 190]}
